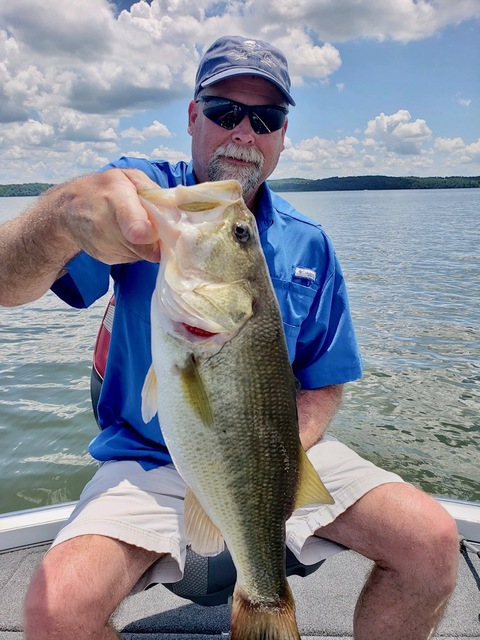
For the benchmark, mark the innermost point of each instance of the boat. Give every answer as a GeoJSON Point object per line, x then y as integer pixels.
{"type": "Point", "coordinates": [325, 599]}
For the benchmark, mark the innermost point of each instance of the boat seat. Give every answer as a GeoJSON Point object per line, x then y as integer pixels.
{"type": "Point", "coordinates": [208, 581]}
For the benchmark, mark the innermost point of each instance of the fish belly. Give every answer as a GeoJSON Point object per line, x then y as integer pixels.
{"type": "Point", "coordinates": [241, 465]}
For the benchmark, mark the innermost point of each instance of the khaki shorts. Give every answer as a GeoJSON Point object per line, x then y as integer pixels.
{"type": "Point", "coordinates": [145, 508]}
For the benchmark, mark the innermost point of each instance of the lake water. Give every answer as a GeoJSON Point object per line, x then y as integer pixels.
{"type": "Point", "coordinates": [412, 263]}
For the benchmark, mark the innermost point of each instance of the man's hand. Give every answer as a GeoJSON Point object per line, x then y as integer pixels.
{"type": "Point", "coordinates": [100, 214]}
{"type": "Point", "coordinates": [104, 217]}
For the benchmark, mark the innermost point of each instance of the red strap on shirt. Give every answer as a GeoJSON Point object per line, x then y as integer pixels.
{"type": "Point", "coordinates": [102, 344]}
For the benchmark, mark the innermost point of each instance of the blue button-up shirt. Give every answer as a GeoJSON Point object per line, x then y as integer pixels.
{"type": "Point", "coordinates": [311, 292]}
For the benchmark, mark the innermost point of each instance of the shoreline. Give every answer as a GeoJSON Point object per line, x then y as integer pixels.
{"type": "Point", "coordinates": [348, 183]}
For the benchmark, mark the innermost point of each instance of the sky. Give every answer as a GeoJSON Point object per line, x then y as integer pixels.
{"type": "Point", "coordinates": [387, 87]}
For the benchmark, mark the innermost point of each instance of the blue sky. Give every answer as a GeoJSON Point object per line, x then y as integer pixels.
{"type": "Point", "coordinates": [382, 86]}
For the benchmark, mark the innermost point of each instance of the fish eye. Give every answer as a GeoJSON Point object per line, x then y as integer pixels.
{"type": "Point", "coordinates": [241, 232]}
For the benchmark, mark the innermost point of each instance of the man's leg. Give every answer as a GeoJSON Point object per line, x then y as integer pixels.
{"type": "Point", "coordinates": [79, 585]}
{"type": "Point", "coordinates": [414, 544]}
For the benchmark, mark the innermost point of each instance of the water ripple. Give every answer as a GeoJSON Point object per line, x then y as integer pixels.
{"type": "Point", "coordinates": [412, 265]}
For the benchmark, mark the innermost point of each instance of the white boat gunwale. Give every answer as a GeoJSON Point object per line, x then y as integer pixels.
{"type": "Point", "coordinates": [161, 614]}
{"type": "Point", "coordinates": [40, 525]}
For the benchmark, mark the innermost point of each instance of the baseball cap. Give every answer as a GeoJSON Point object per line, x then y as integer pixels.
{"type": "Point", "coordinates": [237, 56]}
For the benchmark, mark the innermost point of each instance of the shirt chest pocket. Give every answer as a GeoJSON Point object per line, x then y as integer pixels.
{"type": "Point", "coordinates": [295, 301]}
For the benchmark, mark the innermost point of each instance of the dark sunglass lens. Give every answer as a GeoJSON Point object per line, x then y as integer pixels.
{"type": "Point", "coordinates": [267, 120]}
{"type": "Point", "coordinates": [228, 114]}
{"type": "Point", "coordinates": [225, 115]}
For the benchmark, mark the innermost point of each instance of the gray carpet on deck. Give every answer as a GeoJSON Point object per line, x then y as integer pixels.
{"type": "Point", "coordinates": [325, 603]}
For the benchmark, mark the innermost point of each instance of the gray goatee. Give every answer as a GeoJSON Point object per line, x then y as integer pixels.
{"type": "Point", "coordinates": [248, 176]}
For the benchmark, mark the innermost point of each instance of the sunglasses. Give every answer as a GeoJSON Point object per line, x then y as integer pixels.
{"type": "Point", "coordinates": [228, 114]}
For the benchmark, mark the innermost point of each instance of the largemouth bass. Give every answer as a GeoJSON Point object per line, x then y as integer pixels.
{"type": "Point", "coordinates": [225, 394]}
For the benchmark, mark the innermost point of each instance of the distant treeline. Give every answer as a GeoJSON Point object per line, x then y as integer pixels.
{"type": "Point", "coordinates": [360, 183]}
{"type": "Point", "coordinates": [28, 189]}
{"type": "Point", "coordinates": [353, 183]}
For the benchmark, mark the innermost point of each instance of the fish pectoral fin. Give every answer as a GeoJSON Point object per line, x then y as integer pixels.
{"type": "Point", "coordinates": [311, 489]}
{"type": "Point", "coordinates": [195, 392]}
{"type": "Point", "coordinates": [203, 536]}
{"type": "Point", "coordinates": [149, 395]}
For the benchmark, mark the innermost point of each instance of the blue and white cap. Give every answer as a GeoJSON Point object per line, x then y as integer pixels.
{"type": "Point", "coordinates": [237, 56]}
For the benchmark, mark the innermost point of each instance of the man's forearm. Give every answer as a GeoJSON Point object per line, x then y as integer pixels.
{"type": "Point", "coordinates": [316, 409]}
{"type": "Point", "coordinates": [33, 251]}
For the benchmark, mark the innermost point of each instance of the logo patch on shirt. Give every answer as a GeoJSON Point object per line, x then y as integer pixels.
{"type": "Point", "coordinates": [303, 272]}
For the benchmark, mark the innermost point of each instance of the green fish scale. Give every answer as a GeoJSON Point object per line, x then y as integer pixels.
{"type": "Point", "coordinates": [255, 436]}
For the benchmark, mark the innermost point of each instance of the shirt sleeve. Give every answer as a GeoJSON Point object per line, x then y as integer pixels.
{"type": "Point", "coordinates": [86, 280]}
{"type": "Point", "coordinates": [327, 351]}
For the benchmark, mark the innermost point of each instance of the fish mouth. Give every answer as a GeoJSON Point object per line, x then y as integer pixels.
{"type": "Point", "coordinates": [195, 335]}
{"type": "Point", "coordinates": [197, 331]}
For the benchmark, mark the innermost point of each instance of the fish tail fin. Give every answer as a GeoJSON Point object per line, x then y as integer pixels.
{"type": "Point", "coordinates": [263, 620]}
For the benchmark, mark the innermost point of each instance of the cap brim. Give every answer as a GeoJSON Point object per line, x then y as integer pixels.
{"type": "Point", "coordinates": [245, 71]}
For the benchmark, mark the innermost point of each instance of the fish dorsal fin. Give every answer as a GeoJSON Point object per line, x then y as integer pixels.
{"type": "Point", "coordinates": [203, 536]}
{"type": "Point", "coordinates": [311, 489]}
{"type": "Point", "coordinates": [149, 395]}
{"type": "Point", "coordinates": [195, 392]}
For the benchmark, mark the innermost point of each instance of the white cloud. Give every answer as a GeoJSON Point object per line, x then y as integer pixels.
{"type": "Point", "coordinates": [448, 145]}
{"type": "Point", "coordinates": [331, 20]}
{"type": "Point", "coordinates": [83, 58]}
{"type": "Point", "coordinates": [80, 55]}
{"type": "Point", "coordinates": [456, 152]}
{"type": "Point", "coordinates": [381, 150]}
{"type": "Point", "coordinates": [306, 59]}
{"type": "Point", "coordinates": [80, 127]}
{"type": "Point", "coordinates": [166, 153]}
{"type": "Point", "coordinates": [155, 130]}
{"type": "Point", "coordinates": [73, 74]}
{"type": "Point", "coordinates": [161, 153]}
{"type": "Point", "coordinates": [31, 133]}
{"type": "Point", "coordinates": [54, 164]}
{"type": "Point", "coordinates": [471, 153]}
{"type": "Point", "coordinates": [397, 133]}
{"type": "Point", "coordinates": [314, 156]}
{"type": "Point", "coordinates": [71, 34]}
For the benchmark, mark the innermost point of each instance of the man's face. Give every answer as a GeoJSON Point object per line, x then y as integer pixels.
{"type": "Point", "coordinates": [256, 155]}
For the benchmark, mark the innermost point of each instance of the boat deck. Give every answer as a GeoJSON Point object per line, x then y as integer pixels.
{"type": "Point", "coordinates": [325, 602]}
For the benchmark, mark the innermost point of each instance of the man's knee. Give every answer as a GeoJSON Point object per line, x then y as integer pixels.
{"type": "Point", "coordinates": [443, 552]}
{"type": "Point", "coordinates": [432, 556]}
{"type": "Point", "coordinates": [53, 610]}
{"type": "Point", "coordinates": [410, 533]}
{"type": "Point", "coordinates": [60, 600]}
{"type": "Point", "coordinates": [43, 609]}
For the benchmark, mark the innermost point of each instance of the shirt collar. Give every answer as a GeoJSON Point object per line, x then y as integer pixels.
{"type": "Point", "coordinates": [191, 178]}
{"type": "Point", "coordinates": [265, 212]}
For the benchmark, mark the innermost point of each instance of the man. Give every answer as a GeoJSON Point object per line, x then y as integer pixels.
{"type": "Point", "coordinates": [127, 531]}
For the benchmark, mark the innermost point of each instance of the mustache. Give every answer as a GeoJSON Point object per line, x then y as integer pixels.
{"type": "Point", "coordinates": [245, 154]}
